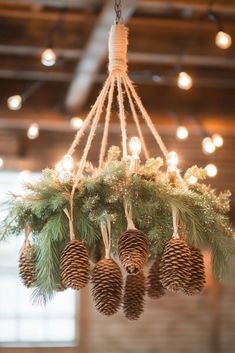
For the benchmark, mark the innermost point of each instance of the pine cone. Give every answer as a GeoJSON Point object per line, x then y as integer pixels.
{"type": "Point", "coordinates": [133, 246]}
{"type": "Point", "coordinates": [27, 269]}
{"type": "Point", "coordinates": [133, 300]}
{"type": "Point", "coordinates": [175, 265]}
{"type": "Point", "coordinates": [197, 279]}
{"type": "Point", "coordinates": [107, 285]}
{"type": "Point", "coordinates": [74, 265]}
{"type": "Point", "coordinates": [155, 287]}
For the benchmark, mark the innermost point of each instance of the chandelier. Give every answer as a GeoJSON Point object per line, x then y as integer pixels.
{"type": "Point", "coordinates": [107, 224]}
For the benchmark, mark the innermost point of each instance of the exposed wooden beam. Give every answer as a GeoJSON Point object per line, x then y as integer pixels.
{"type": "Point", "coordinates": [70, 4]}
{"type": "Point", "coordinates": [94, 54]}
{"type": "Point", "coordinates": [22, 50]}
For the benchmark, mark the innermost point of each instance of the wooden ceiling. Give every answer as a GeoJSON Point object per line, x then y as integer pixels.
{"type": "Point", "coordinates": [162, 36]}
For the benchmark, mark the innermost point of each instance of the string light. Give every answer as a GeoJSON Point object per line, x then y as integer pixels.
{"type": "Point", "coordinates": [208, 146]}
{"type": "Point", "coordinates": [14, 102]}
{"type": "Point", "coordinates": [64, 169]}
{"type": "Point", "coordinates": [223, 40]}
{"type": "Point", "coordinates": [24, 175]}
{"type": "Point", "coordinates": [211, 170]}
{"type": "Point", "coordinates": [33, 131]}
{"type": "Point", "coordinates": [172, 160]}
{"type": "Point", "coordinates": [48, 57]}
{"type": "Point", "coordinates": [217, 140]}
{"type": "Point", "coordinates": [76, 123]}
{"type": "Point", "coordinates": [67, 162]}
{"type": "Point", "coordinates": [1, 162]}
{"type": "Point", "coordinates": [135, 146]}
{"type": "Point", "coordinates": [184, 81]}
{"type": "Point", "coordinates": [192, 179]}
{"type": "Point", "coordinates": [182, 132]}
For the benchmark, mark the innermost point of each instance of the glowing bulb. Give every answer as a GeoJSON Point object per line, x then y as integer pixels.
{"type": "Point", "coordinates": [192, 180]}
{"type": "Point", "coordinates": [223, 40]}
{"type": "Point", "coordinates": [76, 123]}
{"type": "Point", "coordinates": [184, 81]}
{"type": "Point", "coordinates": [33, 131]}
{"type": "Point", "coordinates": [217, 140]}
{"type": "Point", "coordinates": [211, 170]}
{"type": "Point", "coordinates": [182, 132]}
{"type": "Point", "coordinates": [135, 146]}
{"type": "Point", "coordinates": [172, 159]}
{"type": "Point", "coordinates": [48, 57]}
{"type": "Point", "coordinates": [14, 102]}
{"type": "Point", "coordinates": [208, 146]}
{"type": "Point", "coordinates": [1, 162]}
{"type": "Point", "coordinates": [67, 162]}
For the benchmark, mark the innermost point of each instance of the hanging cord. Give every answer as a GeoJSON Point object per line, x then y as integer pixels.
{"type": "Point", "coordinates": [146, 117]}
{"type": "Point", "coordinates": [136, 120]}
{"type": "Point", "coordinates": [118, 10]}
{"type": "Point", "coordinates": [118, 41]}
{"type": "Point", "coordinates": [122, 118]}
{"type": "Point", "coordinates": [105, 228]}
{"type": "Point", "coordinates": [71, 229]}
{"type": "Point", "coordinates": [175, 220]}
{"type": "Point", "coordinates": [27, 232]}
{"type": "Point", "coordinates": [128, 214]}
{"type": "Point", "coordinates": [106, 126]}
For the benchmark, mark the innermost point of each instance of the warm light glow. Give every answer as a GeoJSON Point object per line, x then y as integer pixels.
{"type": "Point", "coordinates": [14, 102]}
{"type": "Point", "coordinates": [172, 159]}
{"type": "Point", "coordinates": [192, 179]}
{"type": "Point", "coordinates": [76, 123]}
{"type": "Point", "coordinates": [182, 132]}
{"type": "Point", "coordinates": [48, 57]}
{"type": "Point", "coordinates": [135, 146]}
{"type": "Point", "coordinates": [24, 176]}
{"type": "Point", "coordinates": [223, 40]}
{"type": "Point", "coordinates": [33, 131]}
{"type": "Point", "coordinates": [211, 170]}
{"type": "Point", "coordinates": [184, 81]}
{"type": "Point", "coordinates": [1, 162]}
{"type": "Point", "coordinates": [208, 146]}
{"type": "Point", "coordinates": [217, 140]}
{"type": "Point", "coordinates": [67, 162]}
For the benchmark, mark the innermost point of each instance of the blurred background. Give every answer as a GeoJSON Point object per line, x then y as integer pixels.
{"type": "Point", "coordinates": [53, 60]}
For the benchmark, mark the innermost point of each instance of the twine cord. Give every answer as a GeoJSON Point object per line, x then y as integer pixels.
{"type": "Point", "coordinates": [128, 214]}
{"type": "Point", "coordinates": [175, 220]}
{"type": "Point", "coordinates": [118, 41]}
{"type": "Point", "coordinates": [27, 232]}
{"type": "Point", "coordinates": [122, 118]}
{"type": "Point", "coordinates": [71, 229]}
{"type": "Point", "coordinates": [105, 228]}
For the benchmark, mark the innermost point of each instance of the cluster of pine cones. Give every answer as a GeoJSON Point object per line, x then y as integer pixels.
{"type": "Point", "coordinates": [179, 268]}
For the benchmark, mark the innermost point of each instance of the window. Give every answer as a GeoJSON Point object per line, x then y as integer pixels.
{"type": "Point", "coordinates": [21, 322]}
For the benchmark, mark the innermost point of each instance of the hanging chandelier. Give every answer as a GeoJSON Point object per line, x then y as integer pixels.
{"type": "Point", "coordinates": [107, 224]}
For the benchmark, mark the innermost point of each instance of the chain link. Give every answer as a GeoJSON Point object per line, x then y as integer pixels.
{"type": "Point", "coordinates": [118, 10]}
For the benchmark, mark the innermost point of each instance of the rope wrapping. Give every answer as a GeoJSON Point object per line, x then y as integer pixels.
{"type": "Point", "coordinates": [118, 42]}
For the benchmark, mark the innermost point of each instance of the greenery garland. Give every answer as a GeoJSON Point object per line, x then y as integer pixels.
{"type": "Point", "coordinates": [99, 197]}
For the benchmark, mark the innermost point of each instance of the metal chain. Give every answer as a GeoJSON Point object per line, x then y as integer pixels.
{"type": "Point", "coordinates": [118, 10]}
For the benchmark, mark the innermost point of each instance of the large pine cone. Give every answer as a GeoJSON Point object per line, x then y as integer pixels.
{"type": "Point", "coordinates": [107, 285]}
{"type": "Point", "coordinates": [155, 287]}
{"type": "Point", "coordinates": [133, 300]}
{"type": "Point", "coordinates": [197, 279]}
{"type": "Point", "coordinates": [74, 265]}
{"type": "Point", "coordinates": [133, 246]}
{"type": "Point", "coordinates": [175, 265]}
{"type": "Point", "coordinates": [27, 269]}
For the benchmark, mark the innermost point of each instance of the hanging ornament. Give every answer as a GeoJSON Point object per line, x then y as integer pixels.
{"type": "Point", "coordinates": [27, 262]}
{"type": "Point", "coordinates": [197, 273]}
{"type": "Point", "coordinates": [133, 299]}
{"type": "Point", "coordinates": [155, 287]}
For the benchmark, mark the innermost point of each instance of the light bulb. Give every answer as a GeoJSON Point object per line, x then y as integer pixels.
{"type": "Point", "coordinates": [182, 132]}
{"type": "Point", "coordinates": [192, 180]}
{"type": "Point", "coordinates": [33, 131]}
{"type": "Point", "coordinates": [135, 146]}
{"type": "Point", "coordinates": [217, 140]}
{"type": "Point", "coordinates": [208, 146]}
{"type": "Point", "coordinates": [59, 167]}
{"type": "Point", "coordinates": [1, 162]}
{"type": "Point", "coordinates": [67, 162]}
{"type": "Point", "coordinates": [48, 57]}
{"type": "Point", "coordinates": [76, 123]}
{"type": "Point", "coordinates": [14, 102]}
{"type": "Point", "coordinates": [184, 81]}
{"type": "Point", "coordinates": [211, 170]}
{"type": "Point", "coordinates": [223, 40]}
{"type": "Point", "coordinates": [172, 159]}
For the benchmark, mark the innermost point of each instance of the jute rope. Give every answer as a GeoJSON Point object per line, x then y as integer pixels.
{"type": "Point", "coordinates": [118, 41]}
{"type": "Point", "coordinates": [27, 232]}
{"type": "Point", "coordinates": [122, 117]}
{"type": "Point", "coordinates": [128, 214]}
{"type": "Point", "coordinates": [175, 219]}
{"type": "Point", "coordinates": [105, 228]}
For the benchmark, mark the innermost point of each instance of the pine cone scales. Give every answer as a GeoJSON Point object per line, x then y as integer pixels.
{"type": "Point", "coordinates": [107, 285]}
{"type": "Point", "coordinates": [133, 300]}
{"type": "Point", "coordinates": [27, 270]}
{"type": "Point", "coordinates": [74, 265]}
{"type": "Point", "coordinates": [133, 249]}
{"type": "Point", "coordinates": [175, 265]}
{"type": "Point", "coordinates": [197, 279]}
{"type": "Point", "coordinates": [155, 287]}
